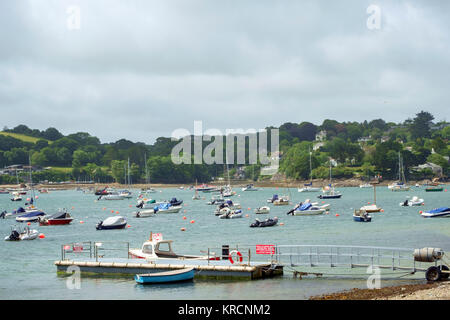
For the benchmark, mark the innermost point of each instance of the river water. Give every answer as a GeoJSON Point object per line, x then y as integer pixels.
{"type": "Point", "coordinates": [29, 265]}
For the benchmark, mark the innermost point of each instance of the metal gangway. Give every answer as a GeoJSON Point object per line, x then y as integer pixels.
{"type": "Point", "coordinates": [327, 257]}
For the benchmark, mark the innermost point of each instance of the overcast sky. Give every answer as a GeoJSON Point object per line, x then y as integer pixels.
{"type": "Point", "coordinates": [141, 69]}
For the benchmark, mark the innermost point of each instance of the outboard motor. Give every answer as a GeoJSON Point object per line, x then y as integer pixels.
{"type": "Point", "coordinates": [2, 215]}
{"type": "Point", "coordinates": [14, 236]}
{"type": "Point", "coordinates": [255, 224]}
{"type": "Point", "coordinates": [140, 204]}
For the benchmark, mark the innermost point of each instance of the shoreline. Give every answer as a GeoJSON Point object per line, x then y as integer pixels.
{"type": "Point", "coordinates": [234, 183]}
{"type": "Point", "coordinates": [423, 291]}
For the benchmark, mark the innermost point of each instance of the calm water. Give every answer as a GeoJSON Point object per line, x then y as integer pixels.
{"type": "Point", "coordinates": [29, 264]}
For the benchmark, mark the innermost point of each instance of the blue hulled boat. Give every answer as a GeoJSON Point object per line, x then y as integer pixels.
{"type": "Point", "coordinates": [435, 213]}
{"type": "Point", "coordinates": [165, 277]}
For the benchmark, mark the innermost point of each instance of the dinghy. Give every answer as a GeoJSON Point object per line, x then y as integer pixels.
{"type": "Point", "coordinates": [118, 222]}
{"type": "Point", "coordinates": [415, 201]}
{"type": "Point", "coordinates": [270, 222]}
{"type": "Point", "coordinates": [26, 234]}
{"type": "Point", "coordinates": [145, 213]}
{"type": "Point", "coordinates": [262, 210]}
{"type": "Point", "coordinates": [231, 214]}
{"type": "Point", "coordinates": [184, 274]}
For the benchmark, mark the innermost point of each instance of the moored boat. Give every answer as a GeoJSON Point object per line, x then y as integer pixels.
{"type": "Point", "coordinates": [269, 222]}
{"type": "Point", "coordinates": [32, 216]}
{"type": "Point", "coordinates": [262, 210]}
{"type": "Point", "coordinates": [437, 213]}
{"type": "Point", "coordinates": [110, 223]}
{"type": "Point", "coordinates": [184, 274]}
{"type": "Point", "coordinates": [157, 249]}
{"type": "Point", "coordinates": [361, 216]}
{"type": "Point", "coordinates": [249, 187]}
{"type": "Point", "coordinates": [26, 234]}
{"type": "Point", "coordinates": [415, 201]}
{"type": "Point", "coordinates": [434, 189]}
{"type": "Point", "coordinates": [59, 218]}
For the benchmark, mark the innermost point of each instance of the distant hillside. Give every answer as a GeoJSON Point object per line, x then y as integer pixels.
{"type": "Point", "coordinates": [23, 137]}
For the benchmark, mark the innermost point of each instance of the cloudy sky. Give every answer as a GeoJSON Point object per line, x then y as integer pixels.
{"type": "Point", "coordinates": [141, 69]}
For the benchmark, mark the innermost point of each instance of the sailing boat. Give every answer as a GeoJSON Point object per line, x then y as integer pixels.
{"type": "Point", "coordinates": [400, 185]}
{"type": "Point", "coordinates": [147, 179]}
{"type": "Point", "coordinates": [372, 207]}
{"type": "Point", "coordinates": [196, 195]}
{"type": "Point", "coordinates": [329, 192]}
{"type": "Point", "coordinates": [126, 193]}
{"type": "Point", "coordinates": [227, 191]}
{"type": "Point", "coordinates": [308, 186]}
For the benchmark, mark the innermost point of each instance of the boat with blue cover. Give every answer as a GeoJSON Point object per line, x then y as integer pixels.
{"type": "Point", "coordinates": [437, 213]}
{"type": "Point", "coordinates": [184, 274]}
{"type": "Point", "coordinates": [32, 216]}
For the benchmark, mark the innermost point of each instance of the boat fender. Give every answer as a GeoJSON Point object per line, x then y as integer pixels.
{"type": "Point", "coordinates": [239, 256]}
{"type": "Point", "coordinates": [428, 254]}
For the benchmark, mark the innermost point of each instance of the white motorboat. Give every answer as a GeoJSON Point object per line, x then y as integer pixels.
{"type": "Point", "coordinates": [220, 209]}
{"type": "Point", "coordinates": [144, 213]}
{"type": "Point", "coordinates": [126, 194]}
{"type": "Point", "coordinates": [249, 187]}
{"type": "Point", "coordinates": [26, 234]}
{"type": "Point", "coordinates": [16, 197]}
{"type": "Point", "coordinates": [159, 249]}
{"type": "Point", "coordinates": [112, 196]}
{"type": "Point", "coordinates": [365, 185]}
{"type": "Point", "coordinates": [307, 209]}
{"type": "Point", "coordinates": [308, 189]}
{"type": "Point", "coordinates": [415, 201]}
{"type": "Point", "coordinates": [262, 210]}
{"type": "Point", "coordinates": [281, 201]}
{"type": "Point", "coordinates": [231, 214]}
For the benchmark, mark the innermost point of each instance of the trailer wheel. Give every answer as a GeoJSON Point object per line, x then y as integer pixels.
{"type": "Point", "coordinates": [444, 275]}
{"type": "Point", "coordinates": [433, 274]}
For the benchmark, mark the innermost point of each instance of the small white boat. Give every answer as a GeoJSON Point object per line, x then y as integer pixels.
{"type": "Point", "coordinates": [162, 249]}
{"type": "Point", "coordinates": [126, 194]}
{"type": "Point", "coordinates": [249, 187]}
{"type": "Point", "coordinates": [282, 201]}
{"type": "Point", "coordinates": [308, 209]}
{"type": "Point", "coordinates": [16, 197]}
{"type": "Point", "coordinates": [144, 213]}
{"type": "Point", "coordinates": [231, 214]}
{"type": "Point", "coordinates": [308, 189]}
{"type": "Point", "coordinates": [26, 234]}
{"type": "Point", "coordinates": [222, 208]}
{"type": "Point", "coordinates": [112, 196]}
{"type": "Point", "coordinates": [262, 210]}
{"type": "Point", "coordinates": [415, 201]}
{"type": "Point", "coordinates": [365, 185]}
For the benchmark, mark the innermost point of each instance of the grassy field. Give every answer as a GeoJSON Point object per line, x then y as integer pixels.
{"type": "Point", "coordinates": [22, 137]}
